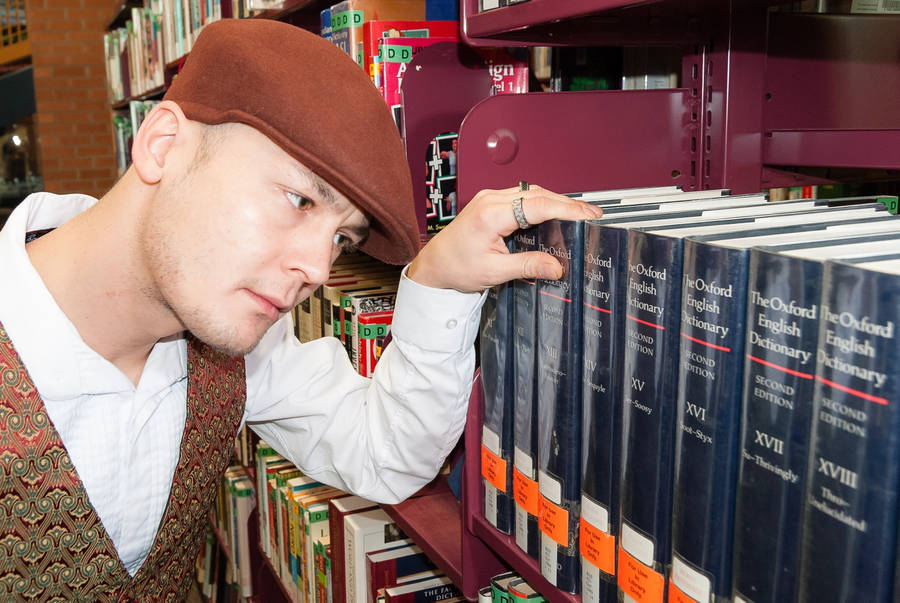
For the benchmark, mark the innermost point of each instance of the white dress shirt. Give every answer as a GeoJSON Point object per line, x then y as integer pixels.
{"type": "Point", "coordinates": [382, 438]}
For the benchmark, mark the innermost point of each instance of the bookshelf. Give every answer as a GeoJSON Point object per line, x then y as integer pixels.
{"type": "Point", "coordinates": [767, 99]}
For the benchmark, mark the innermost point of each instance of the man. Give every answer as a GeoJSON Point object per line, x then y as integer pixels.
{"type": "Point", "coordinates": [139, 331]}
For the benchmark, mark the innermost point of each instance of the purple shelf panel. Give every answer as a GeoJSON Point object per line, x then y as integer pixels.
{"type": "Point", "coordinates": [877, 149]}
{"type": "Point", "coordinates": [578, 141]}
{"type": "Point", "coordinates": [827, 72]}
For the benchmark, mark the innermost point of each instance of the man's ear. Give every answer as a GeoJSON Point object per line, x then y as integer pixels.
{"type": "Point", "coordinates": [156, 136]}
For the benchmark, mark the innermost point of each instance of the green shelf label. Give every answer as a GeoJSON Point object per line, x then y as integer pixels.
{"type": "Point", "coordinates": [890, 203]}
{"type": "Point", "coordinates": [397, 54]}
{"type": "Point", "coordinates": [372, 331]}
{"type": "Point", "coordinates": [348, 18]}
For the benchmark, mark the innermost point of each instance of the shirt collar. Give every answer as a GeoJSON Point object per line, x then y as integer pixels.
{"type": "Point", "coordinates": [59, 362]}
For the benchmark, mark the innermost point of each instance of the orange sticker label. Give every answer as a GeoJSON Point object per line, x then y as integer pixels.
{"type": "Point", "coordinates": [554, 521]}
{"type": "Point", "coordinates": [638, 581]}
{"type": "Point", "coordinates": [597, 546]}
{"type": "Point", "coordinates": [676, 596]}
{"type": "Point", "coordinates": [493, 468]}
{"type": "Point", "coordinates": [526, 492]}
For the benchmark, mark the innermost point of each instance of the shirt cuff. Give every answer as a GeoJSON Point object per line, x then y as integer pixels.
{"type": "Point", "coordinates": [439, 320]}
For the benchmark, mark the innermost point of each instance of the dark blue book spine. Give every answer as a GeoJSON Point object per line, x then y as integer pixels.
{"type": "Point", "coordinates": [783, 295]}
{"type": "Point", "coordinates": [497, 425]}
{"type": "Point", "coordinates": [525, 439]}
{"type": "Point", "coordinates": [710, 374]}
{"type": "Point", "coordinates": [649, 382]}
{"type": "Point", "coordinates": [603, 320]}
{"type": "Point", "coordinates": [850, 512]}
{"type": "Point", "coordinates": [559, 364]}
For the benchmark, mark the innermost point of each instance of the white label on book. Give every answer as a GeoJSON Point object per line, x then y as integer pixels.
{"type": "Point", "coordinates": [590, 582]}
{"type": "Point", "coordinates": [485, 595]}
{"type": "Point", "coordinates": [490, 440]}
{"type": "Point", "coordinates": [638, 546]}
{"type": "Point", "coordinates": [690, 581]}
{"type": "Point", "coordinates": [490, 504]}
{"type": "Point", "coordinates": [524, 463]}
{"type": "Point", "coordinates": [548, 558]}
{"type": "Point", "coordinates": [875, 6]}
{"type": "Point", "coordinates": [490, 4]}
{"type": "Point", "coordinates": [550, 488]}
{"type": "Point", "coordinates": [522, 528]}
{"type": "Point", "coordinates": [740, 599]}
{"type": "Point", "coordinates": [595, 514]}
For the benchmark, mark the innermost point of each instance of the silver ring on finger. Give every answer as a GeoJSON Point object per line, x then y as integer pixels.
{"type": "Point", "coordinates": [519, 213]}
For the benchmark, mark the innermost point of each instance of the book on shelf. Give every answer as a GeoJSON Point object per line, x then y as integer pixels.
{"type": "Point", "coordinates": [348, 17]}
{"type": "Point", "coordinates": [497, 425]}
{"type": "Point", "coordinates": [850, 509]}
{"type": "Point", "coordinates": [500, 586]}
{"type": "Point", "coordinates": [525, 420]}
{"type": "Point", "coordinates": [559, 368]}
{"type": "Point", "coordinates": [325, 23]}
{"type": "Point", "coordinates": [438, 588]}
{"type": "Point", "coordinates": [394, 565]}
{"type": "Point", "coordinates": [520, 591]}
{"type": "Point", "coordinates": [365, 532]}
{"type": "Point", "coordinates": [338, 509]}
{"type": "Point", "coordinates": [371, 333]}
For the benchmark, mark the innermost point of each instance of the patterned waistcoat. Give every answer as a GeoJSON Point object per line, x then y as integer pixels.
{"type": "Point", "coordinates": [52, 543]}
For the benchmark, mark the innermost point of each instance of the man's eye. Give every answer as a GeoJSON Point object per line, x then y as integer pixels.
{"type": "Point", "coordinates": [344, 242]}
{"type": "Point", "coordinates": [299, 201]}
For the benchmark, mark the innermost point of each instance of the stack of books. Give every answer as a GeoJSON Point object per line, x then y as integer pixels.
{"type": "Point", "coordinates": [708, 386]}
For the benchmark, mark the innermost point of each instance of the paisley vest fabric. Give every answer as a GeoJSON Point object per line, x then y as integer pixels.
{"type": "Point", "coordinates": [53, 546]}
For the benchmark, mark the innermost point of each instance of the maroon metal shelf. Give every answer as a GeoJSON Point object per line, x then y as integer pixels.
{"type": "Point", "coordinates": [433, 521]}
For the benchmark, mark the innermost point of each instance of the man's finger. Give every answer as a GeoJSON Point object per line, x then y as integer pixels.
{"type": "Point", "coordinates": [528, 265]}
{"type": "Point", "coordinates": [540, 206]}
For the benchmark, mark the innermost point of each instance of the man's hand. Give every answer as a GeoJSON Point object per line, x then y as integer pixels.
{"type": "Point", "coordinates": [470, 253]}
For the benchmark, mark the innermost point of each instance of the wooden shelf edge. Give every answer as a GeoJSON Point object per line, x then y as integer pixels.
{"type": "Point", "coordinates": [434, 522]}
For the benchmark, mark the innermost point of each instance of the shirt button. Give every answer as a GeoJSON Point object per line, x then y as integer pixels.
{"type": "Point", "coordinates": [451, 324]}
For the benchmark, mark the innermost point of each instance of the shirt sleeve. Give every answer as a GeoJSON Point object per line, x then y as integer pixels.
{"type": "Point", "coordinates": [381, 438]}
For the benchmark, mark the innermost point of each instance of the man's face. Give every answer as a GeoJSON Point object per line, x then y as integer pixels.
{"type": "Point", "coordinates": [238, 238]}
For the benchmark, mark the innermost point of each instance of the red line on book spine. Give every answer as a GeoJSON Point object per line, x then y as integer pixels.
{"type": "Point", "coordinates": [706, 343]}
{"type": "Point", "coordinates": [644, 322]}
{"type": "Point", "coordinates": [596, 308]}
{"type": "Point", "coordinates": [780, 368]}
{"type": "Point", "coordinates": [853, 392]}
{"type": "Point", "coordinates": [556, 297]}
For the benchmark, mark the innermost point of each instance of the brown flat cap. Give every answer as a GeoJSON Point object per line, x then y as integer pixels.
{"type": "Point", "coordinates": [318, 105]}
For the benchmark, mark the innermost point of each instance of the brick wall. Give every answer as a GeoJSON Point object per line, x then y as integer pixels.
{"type": "Point", "coordinates": [73, 115]}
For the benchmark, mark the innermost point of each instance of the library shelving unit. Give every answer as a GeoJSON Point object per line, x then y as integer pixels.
{"type": "Point", "coordinates": [767, 99]}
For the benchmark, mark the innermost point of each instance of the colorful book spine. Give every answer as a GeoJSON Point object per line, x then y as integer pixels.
{"type": "Point", "coordinates": [783, 295]}
{"type": "Point", "coordinates": [559, 367]}
{"type": "Point", "coordinates": [525, 421]}
{"type": "Point", "coordinates": [850, 513]}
